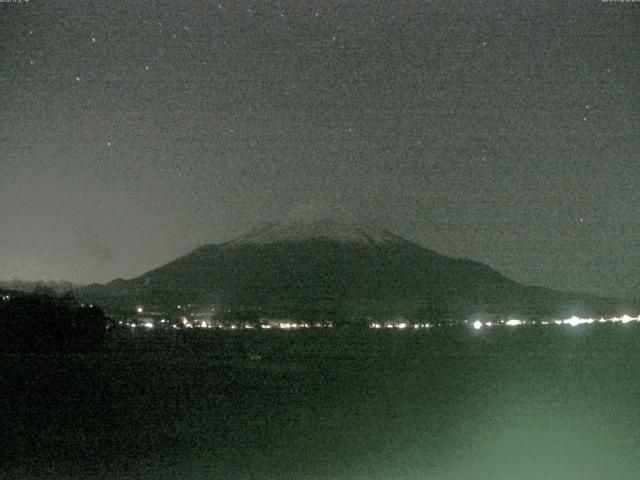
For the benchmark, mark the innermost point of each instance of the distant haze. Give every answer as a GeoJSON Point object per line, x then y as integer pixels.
{"type": "Point", "coordinates": [503, 132]}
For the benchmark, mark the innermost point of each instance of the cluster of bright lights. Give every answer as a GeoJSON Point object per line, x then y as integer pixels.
{"type": "Point", "coordinates": [513, 322]}
{"type": "Point", "coordinates": [296, 325]}
{"type": "Point", "coordinates": [573, 321]}
{"type": "Point", "coordinates": [186, 323]}
{"type": "Point", "coordinates": [398, 325]}
{"type": "Point", "coordinates": [192, 323]}
{"type": "Point", "coordinates": [289, 325]}
{"type": "Point", "coordinates": [6, 298]}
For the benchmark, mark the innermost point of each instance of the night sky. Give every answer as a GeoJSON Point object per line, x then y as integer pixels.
{"type": "Point", "coordinates": [508, 133]}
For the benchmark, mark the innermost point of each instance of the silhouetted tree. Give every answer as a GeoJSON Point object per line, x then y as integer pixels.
{"type": "Point", "coordinates": [44, 322]}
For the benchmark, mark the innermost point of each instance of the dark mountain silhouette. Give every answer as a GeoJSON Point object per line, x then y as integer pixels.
{"type": "Point", "coordinates": [328, 270]}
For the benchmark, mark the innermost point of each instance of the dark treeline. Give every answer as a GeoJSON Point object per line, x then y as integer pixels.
{"type": "Point", "coordinates": [45, 322]}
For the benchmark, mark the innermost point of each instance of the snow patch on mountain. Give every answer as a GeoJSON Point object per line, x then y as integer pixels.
{"type": "Point", "coordinates": [319, 230]}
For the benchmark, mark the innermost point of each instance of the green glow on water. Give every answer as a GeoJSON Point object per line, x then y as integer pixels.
{"type": "Point", "coordinates": [496, 404]}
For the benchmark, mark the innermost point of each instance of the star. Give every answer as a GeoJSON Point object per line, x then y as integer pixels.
{"type": "Point", "coordinates": [77, 79]}
{"type": "Point", "coordinates": [93, 39]}
{"type": "Point", "coordinates": [146, 67]}
{"type": "Point", "coordinates": [108, 144]}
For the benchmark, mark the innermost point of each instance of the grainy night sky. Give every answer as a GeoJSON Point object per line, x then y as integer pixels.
{"type": "Point", "coordinates": [506, 132]}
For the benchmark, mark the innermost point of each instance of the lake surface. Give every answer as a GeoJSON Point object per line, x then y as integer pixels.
{"type": "Point", "coordinates": [539, 402]}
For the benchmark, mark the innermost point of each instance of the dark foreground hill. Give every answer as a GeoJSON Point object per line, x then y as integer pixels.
{"type": "Point", "coordinates": [41, 322]}
{"type": "Point", "coordinates": [326, 270]}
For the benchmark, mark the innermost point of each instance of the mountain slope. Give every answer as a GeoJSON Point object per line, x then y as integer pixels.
{"type": "Point", "coordinates": [326, 269]}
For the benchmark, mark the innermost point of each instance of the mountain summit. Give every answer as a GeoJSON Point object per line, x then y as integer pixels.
{"type": "Point", "coordinates": [327, 230]}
